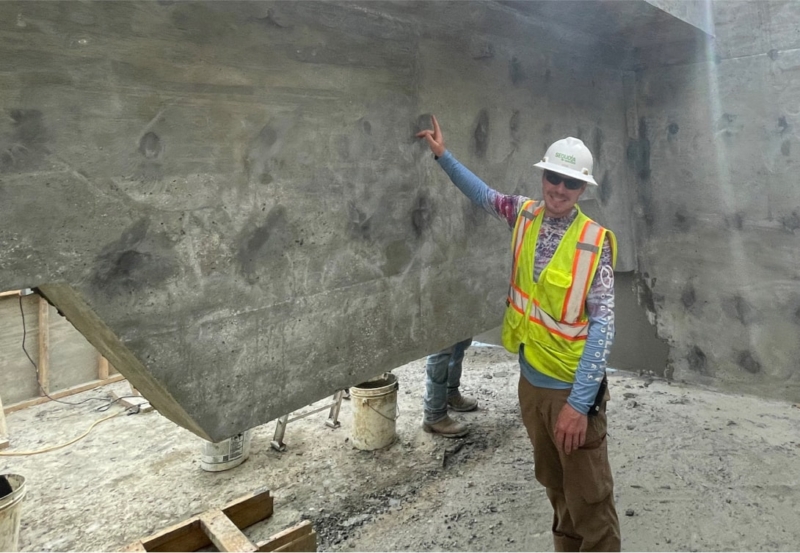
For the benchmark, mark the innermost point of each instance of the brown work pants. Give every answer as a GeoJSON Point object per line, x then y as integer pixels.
{"type": "Point", "coordinates": [579, 485]}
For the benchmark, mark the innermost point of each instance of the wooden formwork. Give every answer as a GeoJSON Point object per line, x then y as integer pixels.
{"type": "Point", "coordinates": [222, 528]}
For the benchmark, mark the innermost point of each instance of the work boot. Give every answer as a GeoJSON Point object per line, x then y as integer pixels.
{"type": "Point", "coordinates": [462, 403]}
{"type": "Point", "coordinates": [447, 428]}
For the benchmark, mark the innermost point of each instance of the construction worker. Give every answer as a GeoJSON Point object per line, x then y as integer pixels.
{"type": "Point", "coordinates": [443, 378]}
{"type": "Point", "coordinates": [559, 319]}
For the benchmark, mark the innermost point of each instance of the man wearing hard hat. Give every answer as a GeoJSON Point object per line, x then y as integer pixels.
{"type": "Point", "coordinates": [560, 320]}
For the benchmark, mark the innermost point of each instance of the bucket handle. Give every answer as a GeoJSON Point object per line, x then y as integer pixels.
{"type": "Point", "coordinates": [365, 401]}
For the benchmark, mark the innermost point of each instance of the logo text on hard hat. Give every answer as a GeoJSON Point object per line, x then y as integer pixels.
{"type": "Point", "coordinates": [565, 158]}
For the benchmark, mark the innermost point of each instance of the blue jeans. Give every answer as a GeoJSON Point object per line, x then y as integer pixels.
{"type": "Point", "coordinates": [443, 379]}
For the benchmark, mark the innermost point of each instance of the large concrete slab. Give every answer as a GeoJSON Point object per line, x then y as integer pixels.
{"type": "Point", "coordinates": [226, 198]}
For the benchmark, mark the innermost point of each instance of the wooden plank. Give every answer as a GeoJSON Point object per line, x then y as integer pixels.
{"type": "Point", "coordinates": [286, 537]}
{"type": "Point", "coordinates": [63, 393]}
{"type": "Point", "coordinates": [9, 293]}
{"type": "Point", "coordinates": [102, 367]}
{"type": "Point", "coordinates": [44, 347]}
{"type": "Point", "coordinates": [184, 536]}
{"type": "Point", "coordinates": [250, 509]}
{"type": "Point", "coordinates": [223, 533]}
{"type": "Point", "coordinates": [306, 543]}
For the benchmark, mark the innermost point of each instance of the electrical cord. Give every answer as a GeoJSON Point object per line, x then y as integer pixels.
{"type": "Point", "coordinates": [35, 366]}
{"type": "Point", "coordinates": [59, 446]}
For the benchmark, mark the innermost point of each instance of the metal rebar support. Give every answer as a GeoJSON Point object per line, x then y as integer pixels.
{"type": "Point", "coordinates": [335, 406]}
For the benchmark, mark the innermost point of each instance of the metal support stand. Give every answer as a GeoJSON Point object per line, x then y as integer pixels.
{"type": "Point", "coordinates": [332, 422]}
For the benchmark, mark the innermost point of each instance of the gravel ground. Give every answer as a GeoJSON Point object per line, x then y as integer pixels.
{"type": "Point", "coordinates": [695, 469]}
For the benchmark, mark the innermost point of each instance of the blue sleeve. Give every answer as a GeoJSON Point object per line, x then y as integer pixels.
{"type": "Point", "coordinates": [465, 180]}
{"type": "Point", "coordinates": [502, 206]}
{"type": "Point", "coordinates": [600, 306]}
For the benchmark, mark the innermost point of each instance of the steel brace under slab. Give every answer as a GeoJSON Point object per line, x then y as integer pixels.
{"type": "Point", "coordinates": [333, 420]}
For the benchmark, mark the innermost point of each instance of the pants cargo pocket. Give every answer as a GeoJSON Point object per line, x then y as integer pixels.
{"type": "Point", "coordinates": [589, 472]}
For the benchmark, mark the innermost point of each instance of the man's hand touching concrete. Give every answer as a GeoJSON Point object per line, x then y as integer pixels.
{"type": "Point", "coordinates": [434, 138]}
{"type": "Point", "coordinates": [570, 429]}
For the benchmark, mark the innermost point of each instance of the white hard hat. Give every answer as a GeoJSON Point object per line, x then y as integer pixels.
{"type": "Point", "coordinates": [569, 157]}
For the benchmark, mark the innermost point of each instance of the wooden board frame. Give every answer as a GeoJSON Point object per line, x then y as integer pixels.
{"type": "Point", "coordinates": [63, 393]}
{"type": "Point", "coordinates": [222, 528]}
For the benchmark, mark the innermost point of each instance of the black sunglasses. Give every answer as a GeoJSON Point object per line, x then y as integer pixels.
{"type": "Point", "coordinates": [569, 184]}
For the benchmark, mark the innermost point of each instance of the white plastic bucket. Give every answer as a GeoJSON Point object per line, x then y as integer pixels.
{"type": "Point", "coordinates": [374, 412]}
{"type": "Point", "coordinates": [227, 454]}
{"type": "Point", "coordinates": [10, 510]}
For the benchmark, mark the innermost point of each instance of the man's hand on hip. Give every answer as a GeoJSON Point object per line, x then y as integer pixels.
{"type": "Point", "coordinates": [570, 429]}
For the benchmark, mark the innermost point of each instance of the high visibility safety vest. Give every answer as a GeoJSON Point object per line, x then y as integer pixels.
{"type": "Point", "coordinates": [549, 316]}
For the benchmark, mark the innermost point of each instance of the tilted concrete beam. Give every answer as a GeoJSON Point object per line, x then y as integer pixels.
{"type": "Point", "coordinates": [228, 201]}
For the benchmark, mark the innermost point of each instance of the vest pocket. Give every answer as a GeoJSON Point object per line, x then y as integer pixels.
{"type": "Point", "coordinates": [553, 291]}
{"type": "Point", "coordinates": [512, 329]}
{"type": "Point", "coordinates": [558, 278]}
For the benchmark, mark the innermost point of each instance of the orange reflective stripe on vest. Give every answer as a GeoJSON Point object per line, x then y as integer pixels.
{"type": "Point", "coordinates": [587, 250]}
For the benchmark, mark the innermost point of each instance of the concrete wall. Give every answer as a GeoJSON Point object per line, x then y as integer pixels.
{"type": "Point", "coordinates": [228, 201]}
{"type": "Point", "coordinates": [716, 160]}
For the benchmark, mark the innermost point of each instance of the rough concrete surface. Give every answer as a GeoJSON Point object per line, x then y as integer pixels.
{"type": "Point", "coordinates": [718, 202]}
{"type": "Point", "coordinates": [227, 200]}
{"type": "Point", "coordinates": [696, 469]}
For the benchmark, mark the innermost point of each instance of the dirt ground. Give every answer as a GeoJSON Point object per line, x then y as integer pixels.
{"type": "Point", "coordinates": [695, 470]}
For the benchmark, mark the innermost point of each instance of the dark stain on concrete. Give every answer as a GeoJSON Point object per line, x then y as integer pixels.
{"type": "Point", "coordinates": [398, 256]}
{"type": "Point", "coordinates": [796, 316]}
{"type": "Point", "coordinates": [740, 309]}
{"type": "Point", "coordinates": [773, 54]}
{"type": "Point", "coordinates": [729, 125]}
{"type": "Point", "coordinates": [261, 153]}
{"type": "Point", "coordinates": [738, 220]}
{"type": "Point", "coordinates": [698, 362]}
{"type": "Point", "coordinates": [597, 144]}
{"type": "Point", "coordinates": [638, 157]}
{"type": "Point", "coordinates": [605, 188]}
{"type": "Point", "coordinates": [748, 362]}
{"type": "Point", "coordinates": [516, 71]}
{"type": "Point", "coordinates": [683, 221]}
{"type": "Point", "coordinates": [514, 128]}
{"type": "Point", "coordinates": [791, 222]}
{"type": "Point", "coordinates": [26, 145]}
{"type": "Point", "coordinates": [421, 214]}
{"type": "Point", "coordinates": [783, 124]}
{"type": "Point", "coordinates": [645, 293]}
{"type": "Point", "coordinates": [688, 295]}
{"type": "Point", "coordinates": [366, 126]}
{"type": "Point", "coordinates": [480, 136]}
{"type": "Point", "coordinates": [134, 262]}
{"type": "Point", "coordinates": [359, 224]}
{"type": "Point", "coordinates": [150, 145]}
{"type": "Point", "coordinates": [786, 147]}
{"type": "Point", "coordinates": [673, 128]}
{"type": "Point", "coordinates": [265, 244]}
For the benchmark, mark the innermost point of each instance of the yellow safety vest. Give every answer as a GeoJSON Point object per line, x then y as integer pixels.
{"type": "Point", "coordinates": [549, 316]}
